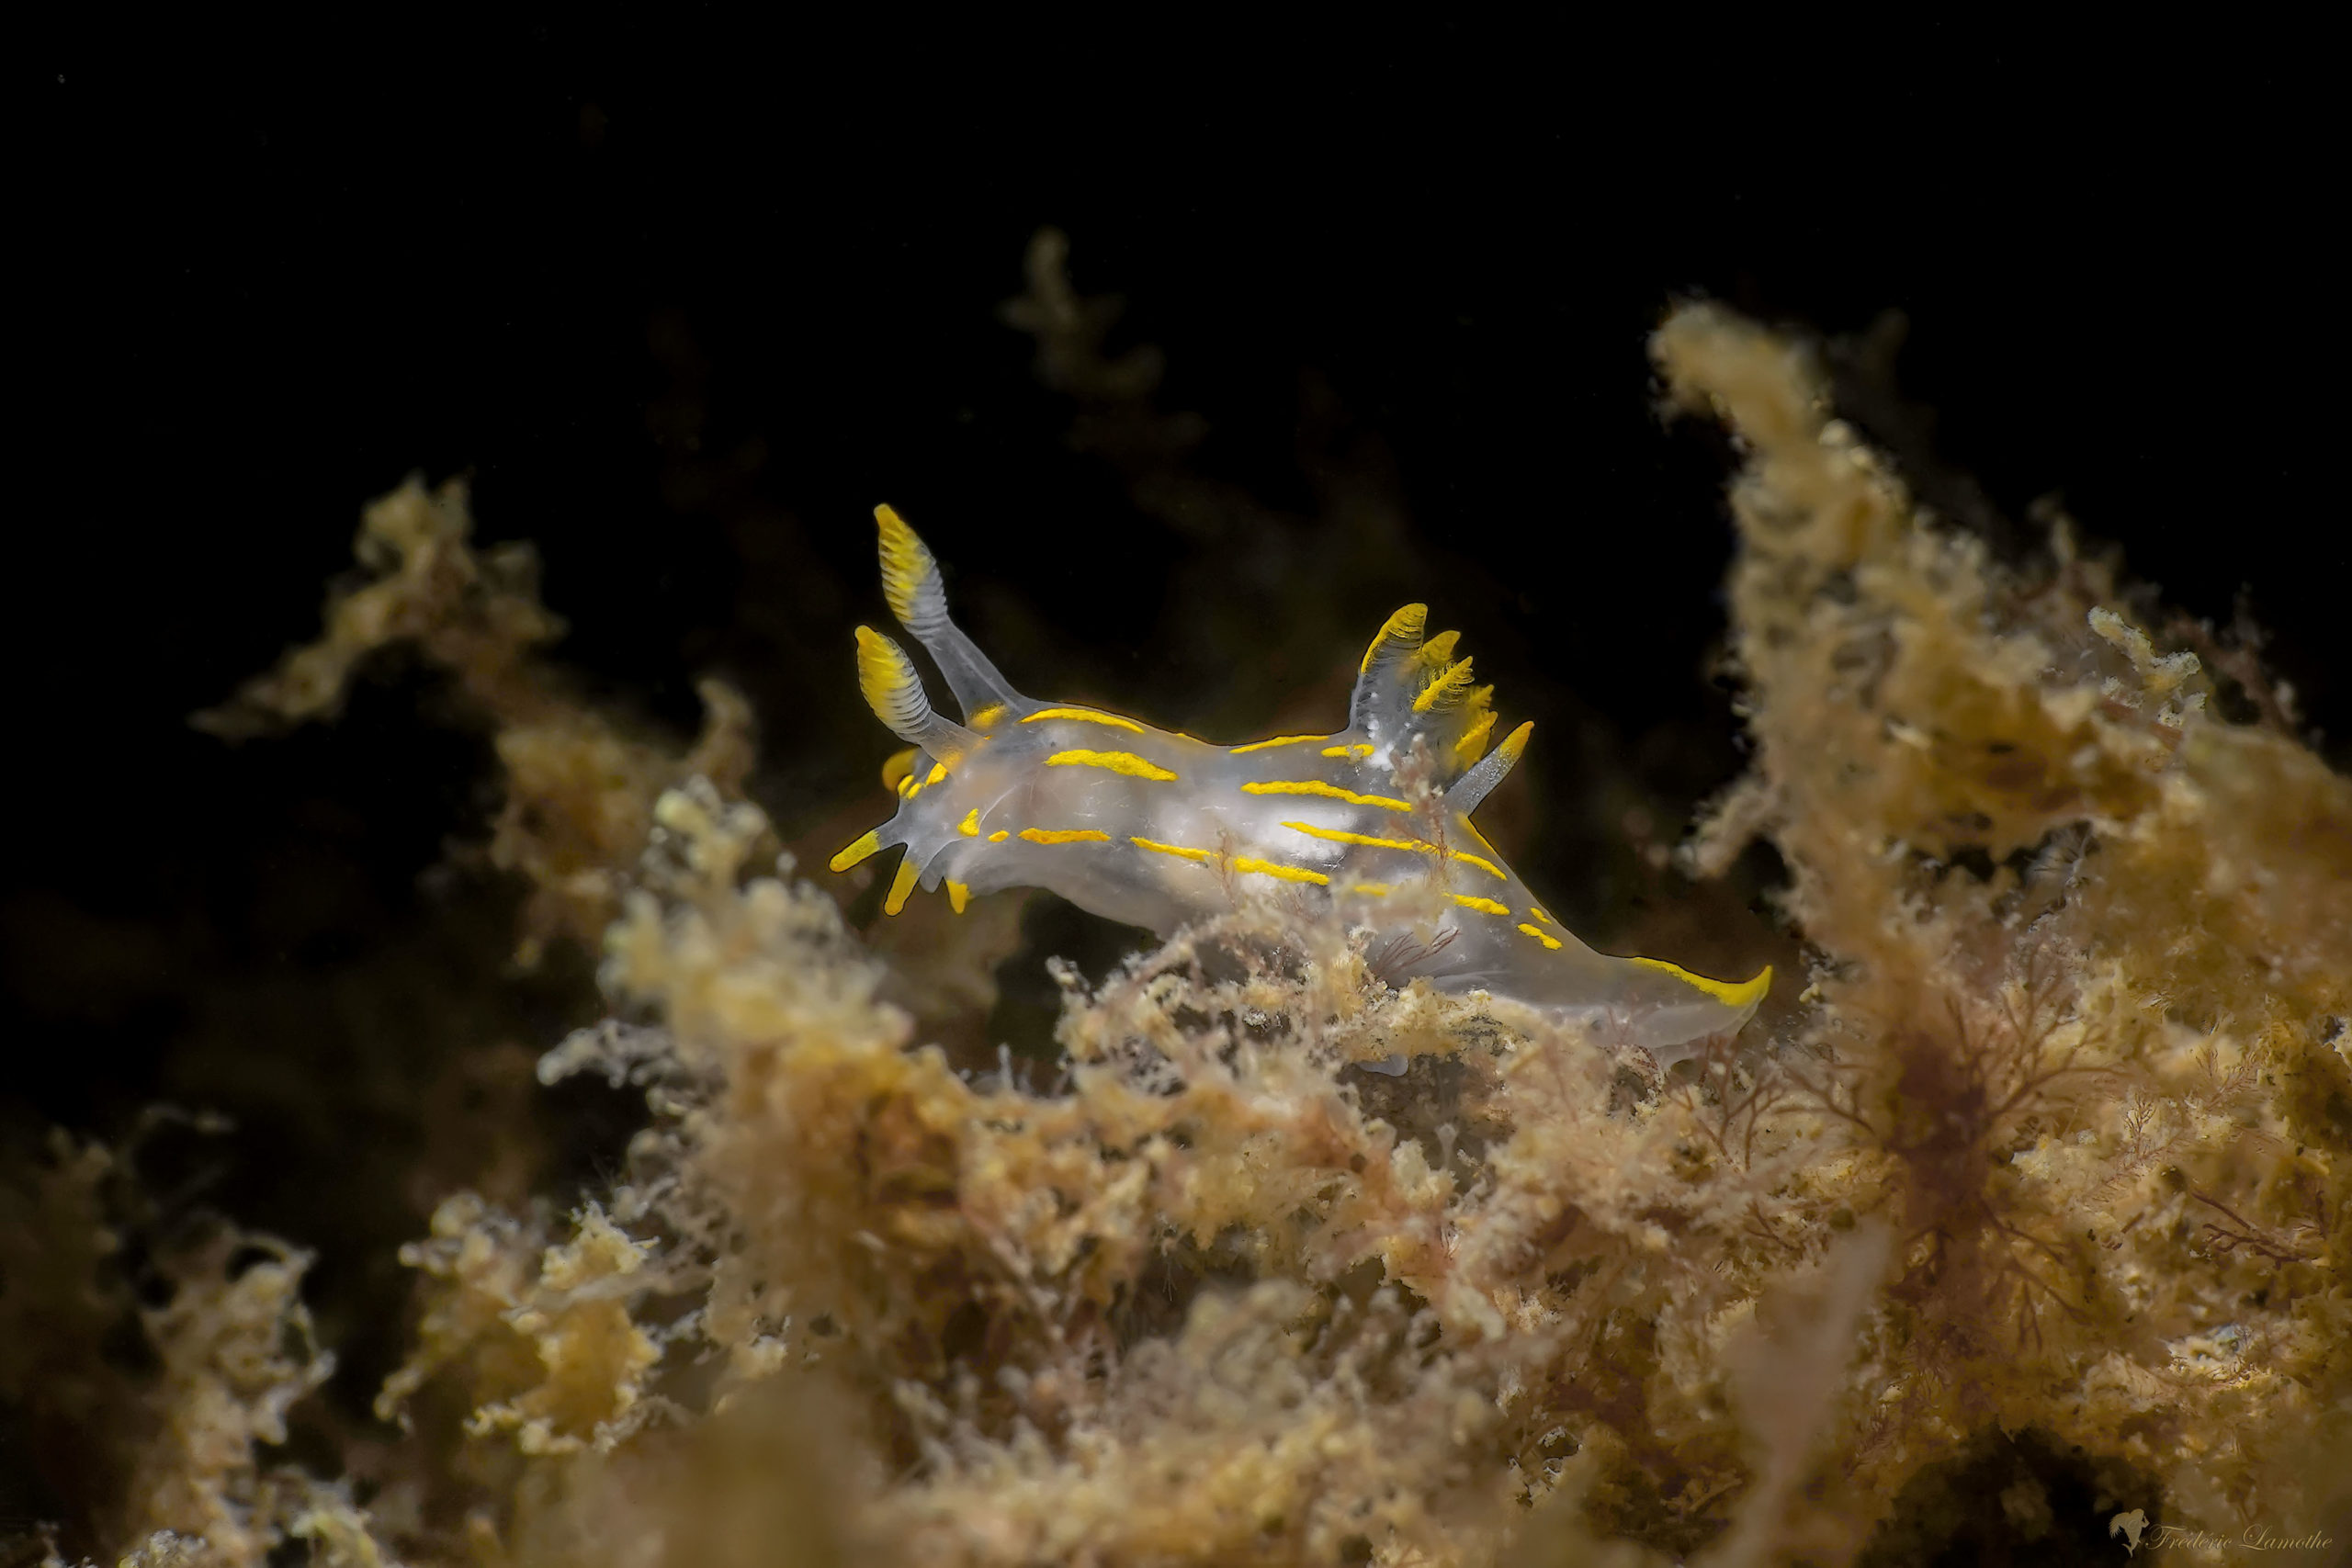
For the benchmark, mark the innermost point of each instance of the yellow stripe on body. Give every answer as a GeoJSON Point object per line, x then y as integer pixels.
{"type": "Point", "coordinates": [970, 825]}
{"type": "Point", "coordinates": [987, 715]}
{"type": "Point", "coordinates": [1732, 994]}
{"type": "Point", "coordinates": [1370, 889]}
{"type": "Point", "coordinates": [1286, 873]}
{"type": "Point", "coordinates": [1277, 741]}
{"type": "Point", "coordinates": [1551, 942]}
{"type": "Point", "coordinates": [938, 771]}
{"type": "Point", "coordinates": [864, 846]}
{"type": "Point", "coordinates": [998, 837]}
{"type": "Point", "coordinates": [1181, 851]}
{"type": "Point", "coordinates": [1481, 862]}
{"type": "Point", "coordinates": [1125, 762]}
{"type": "Point", "coordinates": [900, 886]}
{"type": "Point", "coordinates": [1331, 792]}
{"type": "Point", "coordinates": [1358, 748]}
{"type": "Point", "coordinates": [1484, 906]}
{"type": "Point", "coordinates": [1338, 836]}
{"type": "Point", "coordinates": [1083, 716]}
{"type": "Point", "coordinates": [1061, 836]}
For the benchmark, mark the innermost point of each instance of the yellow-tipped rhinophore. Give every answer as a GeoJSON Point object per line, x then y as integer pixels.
{"type": "Point", "coordinates": [886, 679]}
{"type": "Point", "coordinates": [906, 565]}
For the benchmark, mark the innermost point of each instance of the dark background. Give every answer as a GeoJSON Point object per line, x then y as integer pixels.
{"type": "Point", "coordinates": [686, 298]}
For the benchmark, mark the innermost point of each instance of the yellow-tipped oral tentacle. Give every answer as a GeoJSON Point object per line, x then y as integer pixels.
{"type": "Point", "coordinates": [901, 885]}
{"type": "Point", "coordinates": [856, 852]}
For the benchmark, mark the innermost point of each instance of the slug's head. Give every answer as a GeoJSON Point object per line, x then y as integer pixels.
{"type": "Point", "coordinates": [940, 750]}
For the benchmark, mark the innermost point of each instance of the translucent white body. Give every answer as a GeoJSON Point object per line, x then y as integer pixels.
{"type": "Point", "coordinates": [1159, 829]}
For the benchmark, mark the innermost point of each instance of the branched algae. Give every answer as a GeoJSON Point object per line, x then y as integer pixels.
{"type": "Point", "coordinates": [2051, 1162]}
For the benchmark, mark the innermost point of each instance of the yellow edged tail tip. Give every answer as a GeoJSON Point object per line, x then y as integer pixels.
{"type": "Point", "coordinates": [1740, 996]}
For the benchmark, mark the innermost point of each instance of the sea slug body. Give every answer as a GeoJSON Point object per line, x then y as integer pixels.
{"type": "Point", "coordinates": [1159, 829]}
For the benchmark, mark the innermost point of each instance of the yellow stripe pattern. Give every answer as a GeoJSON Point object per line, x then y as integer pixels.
{"type": "Point", "coordinates": [1182, 851]}
{"type": "Point", "coordinates": [1285, 872]}
{"type": "Point", "coordinates": [1550, 941]}
{"type": "Point", "coordinates": [1277, 741]}
{"type": "Point", "coordinates": [970, 825]}
{"type": "Point", "coordinates": [1063, 835]}
{"type": "Point", "coordinates": [1484, 906]}
{"type": "Point", "coordinates": [1338, 837]}
{"type": "Point", "coordinates": [1083, 716]}
{"type": "Point", "coordinates": [1330, 792]}
{"type": "Point", "coordinates": [1125, 762]}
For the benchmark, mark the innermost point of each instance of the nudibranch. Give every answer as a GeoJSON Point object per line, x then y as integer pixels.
{"type": "Point", "coordinates": [1159, 829]}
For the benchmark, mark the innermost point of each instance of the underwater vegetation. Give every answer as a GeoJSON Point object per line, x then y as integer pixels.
{"type": "Point", "coordinates": [2015, 1223]}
